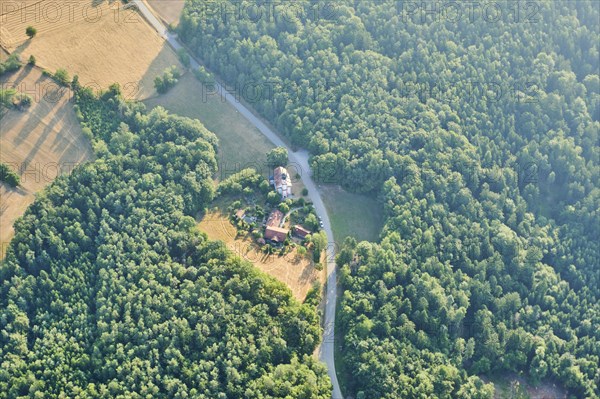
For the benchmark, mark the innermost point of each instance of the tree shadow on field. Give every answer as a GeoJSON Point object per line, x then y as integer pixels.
{"type": "Point", "coordinates": [6, 193]}
{"type": "Point", "coordinates": [70, 144]}
{"type": "Point", "coordinates": [23, 73]}
{"type": "Point", "coordinates": [34, 115]}
{"type": "Point", "coordinates": [307, 274]}
{"type": "Point", "coordinates": [40, 142]}
{"type": "Point", "coordinates": [67, 138]}
{"type": "Point", "coordinates": [22, 47]}
{"type": "Point", "coordinates": [8, 78]}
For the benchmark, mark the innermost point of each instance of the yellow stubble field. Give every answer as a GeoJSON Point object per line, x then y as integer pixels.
{"type": "Point", "coordinates": [168, 10]}
{"type": "Point", "coordinates": [103, 42]}
{"type": "Point", "coordinates": [39, 143]}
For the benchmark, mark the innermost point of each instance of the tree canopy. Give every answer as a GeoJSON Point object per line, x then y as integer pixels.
{"type": "Point", "coordinates": [481, 139]}
{"type": "Point", "coordinates": [7, 175]}
{"type": "Point", "coordinates": [109, 291]}
{"type": "Point", "coordinates": [278, 156]}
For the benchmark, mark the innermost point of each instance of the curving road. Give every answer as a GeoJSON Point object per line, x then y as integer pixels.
{"type": "Point", "coordinates": [299, 160]}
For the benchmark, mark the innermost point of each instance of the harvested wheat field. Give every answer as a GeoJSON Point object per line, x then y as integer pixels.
{"type": "Point", "coordinates": [298, 273]}
{"type": "Point", "coordinates": [40, 143]}
{"type": "Point", "coordinates": [103, 42]}
{"type": "Point", "coordinates": [168, 10]}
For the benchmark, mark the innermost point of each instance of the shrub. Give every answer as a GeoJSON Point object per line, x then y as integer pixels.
{"type": "Point", "coordinates": [313, 296]}
{"type": "Point", "coordinates": [305, 191]}
{"type": "Point", "coordinates": [169, 78]}
{"type": "Point", "coordinates": [31, 60]}
{"type": "Point", "coordinates": [11, 98]}
{"type": "Point", "coordinates": [75, 85]}
{"type": "Point", "coordinates": [283, 207]}
{"type": "Point", "coordinates": [311, 222]}
{"type": "Point", "coordinates": [184, 57]}
{"type": "Point", "coordinates": [87, 132]}
{"type": "Point", "coordinates": [273, 198]}
{"type": "Point", "coordinates": [62, 76]}
{"type": "Point", "coordinates": [6, 96]}
{"type": "Point", "coordinates": [23, 100]}
{"type": "Point", "coordinates": [316, 258]}
{"type": "Point", "coordinates": [12, 63]}
{"type": "Point", "coordinates": [8, 176]}
{"type": "Point", "coordinates": [264, 186]}
{"type": "Point", "coordinates": [30, 31]}
{"type": "Point", "coordinates": [204, 76]}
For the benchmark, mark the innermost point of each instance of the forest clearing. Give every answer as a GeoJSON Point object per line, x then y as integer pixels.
{"type": "Point", "coordinates": [298, 273]}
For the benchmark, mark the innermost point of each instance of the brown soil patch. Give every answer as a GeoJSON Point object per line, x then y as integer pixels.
{"type": "Point", "coordinates": [511, 385]}
{"type": "Point", "coordinates": [103, 42]}
{"type": "Point", "coordinates": [297, 273]}
{"type": "Point", "coordinates": [40, 143]}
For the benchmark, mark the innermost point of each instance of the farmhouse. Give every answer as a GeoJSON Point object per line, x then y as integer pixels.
{"type": "Point", "coordinates": [282, 181]}
{"type": "Point", "coordinates": [301, 231]}
{"type": "Point", "coordinates": [273, 232]}
{"type": "Point", "coordinates": [276, 234]}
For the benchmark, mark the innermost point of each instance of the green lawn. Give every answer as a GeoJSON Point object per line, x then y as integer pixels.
{"type": "Point", "coordinates": [356, 215]}
{"type": "Point", "coordinates": [241, 145]}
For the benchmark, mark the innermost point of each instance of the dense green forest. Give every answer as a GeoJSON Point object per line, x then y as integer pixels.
{"type": "Point", "coordinates": [479, 133]}
{"type": "Point", "coordinates": [109, 291]}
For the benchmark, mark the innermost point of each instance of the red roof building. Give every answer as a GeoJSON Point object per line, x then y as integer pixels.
{"type": "Point", "coordinates": [276, 234]}
{"type": "Point", "coordinates": [273, 231]}
{"type": "Point", "coordinates": [301, 231]}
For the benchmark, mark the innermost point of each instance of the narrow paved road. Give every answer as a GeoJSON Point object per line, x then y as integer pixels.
{"type": "Point", "coordinates": [298, 160]}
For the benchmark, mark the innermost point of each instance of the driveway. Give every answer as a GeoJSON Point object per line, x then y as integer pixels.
{"type": "Point", "coordinates": [298, 159]}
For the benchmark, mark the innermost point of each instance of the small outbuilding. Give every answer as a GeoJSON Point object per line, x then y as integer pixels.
{"type": "Point", "coordinates": [301, 231]}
